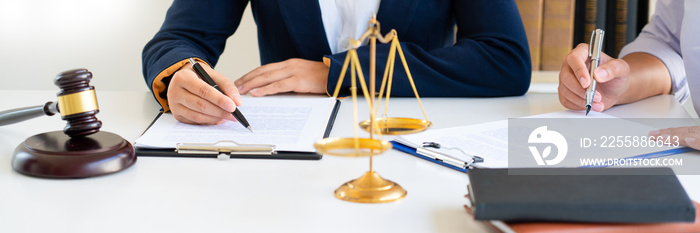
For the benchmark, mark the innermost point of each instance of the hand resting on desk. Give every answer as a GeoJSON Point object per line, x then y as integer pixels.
{"type": "Point", "coordinates": [688, 135]}
{"type": "Point", "coordinates": [292, 75]}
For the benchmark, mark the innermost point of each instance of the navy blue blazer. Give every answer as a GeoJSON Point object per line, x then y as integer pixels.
{"type": "Point", "coordinates": [489, 58]}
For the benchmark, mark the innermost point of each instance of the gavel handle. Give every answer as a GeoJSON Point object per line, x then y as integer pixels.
{"type": "Point", "coordinates": [21, 114]}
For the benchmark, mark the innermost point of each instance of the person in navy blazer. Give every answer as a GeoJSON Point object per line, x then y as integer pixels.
{"type": "Point", "coordinates": [490, 56]}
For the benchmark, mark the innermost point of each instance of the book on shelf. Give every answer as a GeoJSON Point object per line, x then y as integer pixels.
{"type": "Point", "coordinates": [557, 32]}
{"type": "Point", "coordinates": [593, 16]}
{"type": "Point", "coordinates": [531, 14]}
{"type": "Point", "coordinates": [622, 21]}
{"type": "Point", "coordinates": [555, 27]}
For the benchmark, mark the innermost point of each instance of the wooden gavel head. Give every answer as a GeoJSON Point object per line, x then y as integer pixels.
{"type": "Point", "coordinates": [81, 150]}
{"type": "Point", "coordinates": [77, 103]}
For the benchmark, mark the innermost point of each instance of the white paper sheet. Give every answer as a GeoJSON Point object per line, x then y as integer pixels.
{"type": "Point", "coordinates": [487, 140]}
{"type": "Point", "coordinates": [490, 140]}
{"type": "Point", "coordinates": [291, 124]}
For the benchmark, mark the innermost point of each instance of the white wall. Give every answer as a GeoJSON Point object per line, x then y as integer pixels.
{"type": "Point", "coordinates": [41, 38]}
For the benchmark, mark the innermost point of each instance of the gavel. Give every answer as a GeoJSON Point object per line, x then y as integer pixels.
{"type": "Point", "coordinates": [81, 150]}
{"type": "Point", "coordinates": [77, 104]}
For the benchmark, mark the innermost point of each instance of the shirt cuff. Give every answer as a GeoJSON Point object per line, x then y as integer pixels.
{"type": "Point", "coordinates": [327, 62]}
{"type": "Point", "coordinates": [159, 87]}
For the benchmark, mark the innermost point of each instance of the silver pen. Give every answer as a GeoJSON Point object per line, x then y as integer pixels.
{"type": "Point", "coordinates": [595, 46]}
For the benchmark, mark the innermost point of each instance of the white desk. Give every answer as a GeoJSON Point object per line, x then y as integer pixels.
{"type": "Point", "coordinates": [208, 195]}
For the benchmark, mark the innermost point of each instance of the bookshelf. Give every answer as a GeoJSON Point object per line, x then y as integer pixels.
{"type": "Point", "coordinates": [554, 27]}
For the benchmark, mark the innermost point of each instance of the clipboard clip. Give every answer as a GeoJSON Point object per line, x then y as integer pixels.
{"type": "Point", "coordinates": [446, 158]}
{"type": "Point", "coordinates": [225, 148]}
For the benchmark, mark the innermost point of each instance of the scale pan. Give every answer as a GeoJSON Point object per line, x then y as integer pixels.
{"type": "Point", "coordinates": [352, 147]}
{"type": "Point", "coordinates": [397, 125]}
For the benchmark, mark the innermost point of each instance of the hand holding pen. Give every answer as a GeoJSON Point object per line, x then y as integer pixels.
{"type": "Point", "coordinates": [201, 73]}
{"type": "Point", "coordinates": [194, 101]}
{"type": "Point", "coordinates": [577, 76]}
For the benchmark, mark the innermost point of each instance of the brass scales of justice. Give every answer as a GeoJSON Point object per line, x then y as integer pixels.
{"type": "Point", "coordinates": [370, 187]}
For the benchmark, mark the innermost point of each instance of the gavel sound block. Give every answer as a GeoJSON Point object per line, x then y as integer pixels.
{"type": "Point", "coordinates": [81, 150]}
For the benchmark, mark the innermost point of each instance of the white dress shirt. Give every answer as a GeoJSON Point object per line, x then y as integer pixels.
{"type": "Point", "coordinates": [661, 38]}
{"type": "Point", "coordinates": [690, 49]}
{"type": "Point", "coordinates": [345, 19]}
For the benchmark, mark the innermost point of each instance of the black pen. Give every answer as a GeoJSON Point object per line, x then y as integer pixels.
{"type": "Point", "coordinates": [204, 76]}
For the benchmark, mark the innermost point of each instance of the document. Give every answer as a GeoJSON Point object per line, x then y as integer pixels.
{"type": "Point", "coordinates": [290, 124]}
{"type": "Point", "coordinates": [490, 141]}
{"type": "Point", "coordinates": [487, 140]}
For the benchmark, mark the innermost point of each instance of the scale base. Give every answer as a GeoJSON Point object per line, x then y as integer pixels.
{"type": "Point", "coordinates": [370, 188]}
{"type": "Point", "coordinates": [56, 155]}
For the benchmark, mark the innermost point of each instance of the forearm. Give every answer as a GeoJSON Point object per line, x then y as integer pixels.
{"type": "Point", "coordinates": [648, 77]}
{"type": "Point", "coordinates": [662, 71]}
{"type": "Point", "coordinates": [190, 29]}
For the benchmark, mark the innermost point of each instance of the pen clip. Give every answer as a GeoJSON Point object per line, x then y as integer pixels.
{"type": "Point", "coordinates": [595, 45]}
{"type": "Point", "coordinates": [590, 45]}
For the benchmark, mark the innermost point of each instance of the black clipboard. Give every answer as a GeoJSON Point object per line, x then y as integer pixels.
{"type": "Point", "coordinates": [212, 151]}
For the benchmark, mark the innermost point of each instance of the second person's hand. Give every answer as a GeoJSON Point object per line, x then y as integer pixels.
{"type": "Point", "coordinates": [293, 75]}
{"type": "Point", "coordinates": [574, 78]}
{"type": "Point", "coordinates": [683, 136]}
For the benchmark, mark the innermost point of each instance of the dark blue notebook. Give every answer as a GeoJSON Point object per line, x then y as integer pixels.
{"type": "Point", "coordinates": [652, 195]}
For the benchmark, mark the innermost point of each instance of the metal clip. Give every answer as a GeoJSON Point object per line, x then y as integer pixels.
{"type": "Point", "coordinates": [446, 158]}
{"type": "Point", "coordinates": [226, 147]}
